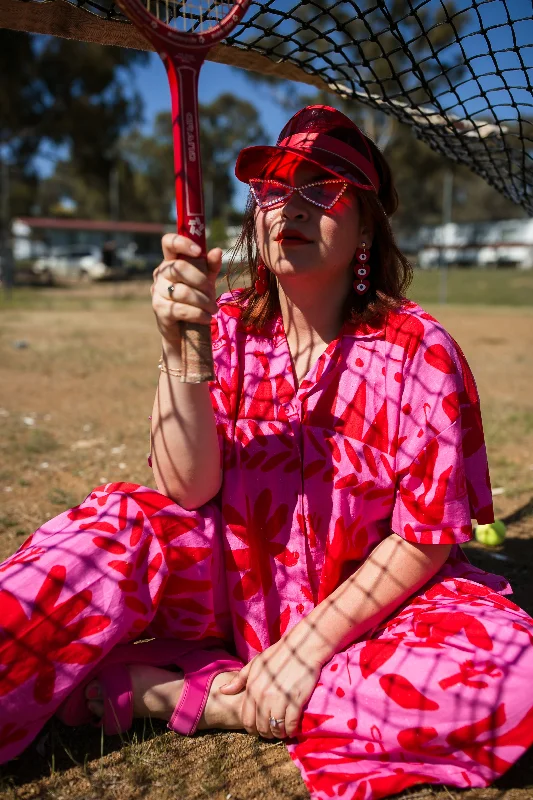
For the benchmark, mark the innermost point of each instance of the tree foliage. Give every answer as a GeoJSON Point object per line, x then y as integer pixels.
{"type": "Point", "coordinates": [63, 93]}
{"type": "Point", "coordinates": [144, 165]}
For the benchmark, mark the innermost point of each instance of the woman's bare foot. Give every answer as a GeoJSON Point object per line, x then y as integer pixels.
{"type": "Point", "coordinates": [156, 693]}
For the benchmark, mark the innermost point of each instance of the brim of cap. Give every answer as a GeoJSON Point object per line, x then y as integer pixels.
{"type": "Point", "coordinates": [253, 161]}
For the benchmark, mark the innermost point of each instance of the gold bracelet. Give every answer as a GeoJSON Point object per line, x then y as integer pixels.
{"type": "Point", "coordinates": [176, 373]}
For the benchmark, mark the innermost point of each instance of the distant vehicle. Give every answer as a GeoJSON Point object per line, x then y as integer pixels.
{"type": "Point", "coordinates": [75, 263]}
{"type": "Point", "coordinates": [141, 264]}
{"type": "Point", "coordinates": [504, 243]}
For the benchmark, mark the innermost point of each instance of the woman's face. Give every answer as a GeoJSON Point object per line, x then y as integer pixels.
{"type": "Point", "coordinates": [333, 235]}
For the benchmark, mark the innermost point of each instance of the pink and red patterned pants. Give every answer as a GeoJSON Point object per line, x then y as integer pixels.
{"type": "Point", "coordinates": [441, 693]}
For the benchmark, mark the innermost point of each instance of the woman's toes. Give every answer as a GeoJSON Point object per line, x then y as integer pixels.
{"type": "Point", "coordinates": [93, 695]}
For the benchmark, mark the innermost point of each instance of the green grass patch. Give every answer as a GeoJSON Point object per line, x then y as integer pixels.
{"type": "Point", "coordinates": [489, 287]}
{"type": "Point", "coordinates": [59, 497]}
{"type": "Point", "coordinates": [73, 298]}
{"type": "Point", "coordinates": [502, 287]}
{"type": "Point", "coordinates": [40, 442]}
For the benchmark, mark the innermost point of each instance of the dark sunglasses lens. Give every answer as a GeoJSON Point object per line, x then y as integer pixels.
{"type": "Point", "coordinates": [324, 194]}
{"type": "Point", "coordinates": [268, 194]}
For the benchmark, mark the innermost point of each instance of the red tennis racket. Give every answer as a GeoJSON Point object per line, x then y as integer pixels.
{"type": "Point", "coordinates": [182, 32]}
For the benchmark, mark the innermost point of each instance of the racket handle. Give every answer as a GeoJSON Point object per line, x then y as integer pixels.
{"type": "Point", "coordinates": [196, 346]}
{"type": "Point", "coordinates": [196, 353]}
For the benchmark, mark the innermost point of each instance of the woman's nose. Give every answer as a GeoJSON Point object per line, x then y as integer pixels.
{"type": "Point", "coordinates": [295, 208]}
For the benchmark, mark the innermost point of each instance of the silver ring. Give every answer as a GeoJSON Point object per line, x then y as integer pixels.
{"type": "Point", "coordinates": [275, 723]}
{"type": "Point", "coordinates": [170, 289]}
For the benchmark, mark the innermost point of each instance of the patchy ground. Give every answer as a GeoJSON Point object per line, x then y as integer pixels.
{"type": "Point", "coordinates": [77, 382]}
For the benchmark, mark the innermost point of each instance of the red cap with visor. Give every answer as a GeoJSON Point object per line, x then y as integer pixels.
{"type": "Point", "coordinates": [307, 137]}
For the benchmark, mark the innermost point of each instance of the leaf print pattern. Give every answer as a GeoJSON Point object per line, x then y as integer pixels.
{"type": "Point", "coordinates": [257, 531]}
{"type": "Point", "coordinates": [32, 645]}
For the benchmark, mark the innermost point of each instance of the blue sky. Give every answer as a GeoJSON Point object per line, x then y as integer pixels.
{"type": "Point", "coordinates": [151, 81]}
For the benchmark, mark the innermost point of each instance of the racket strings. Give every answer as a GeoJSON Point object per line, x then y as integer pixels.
{"type": "Point", "coordinates": [189, 16]}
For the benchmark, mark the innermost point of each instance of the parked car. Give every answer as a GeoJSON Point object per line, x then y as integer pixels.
{"type": "Point", "coordinates": [75, 263]}
{"type": "Point", "coordinates": [504, 243]}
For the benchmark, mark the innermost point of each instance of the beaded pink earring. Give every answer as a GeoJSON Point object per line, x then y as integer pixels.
{"type": "Point", "coordinates": [261, 284]}
{"type": "Point", "coordinates": [361, 269]}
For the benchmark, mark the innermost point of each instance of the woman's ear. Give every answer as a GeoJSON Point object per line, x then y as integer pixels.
{"type": "Point", "coordinates": [367, 235]}
{"type": "Point", "coordinates": [367, 227]}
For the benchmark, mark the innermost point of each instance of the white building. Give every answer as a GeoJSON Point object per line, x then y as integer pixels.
{"type": "Point", "coordinates": [505, 243]}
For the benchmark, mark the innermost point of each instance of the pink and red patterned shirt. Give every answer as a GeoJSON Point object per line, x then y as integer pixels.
{"type": "Point", "coordinates": [383, 435]}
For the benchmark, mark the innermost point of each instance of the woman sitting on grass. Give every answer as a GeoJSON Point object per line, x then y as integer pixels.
{"type": "Point", "coordinates": [297, 574]}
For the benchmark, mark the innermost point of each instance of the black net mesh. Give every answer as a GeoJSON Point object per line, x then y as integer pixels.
{"type": "Point", "coordinates": [458, 73]}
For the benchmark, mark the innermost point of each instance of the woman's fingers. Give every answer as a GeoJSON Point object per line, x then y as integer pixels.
{"type": "Point", "coordinates": [257, 709]}
{"type": "Point", "coordinates": [249, 714]}
{"type": "Point", "coordinates": [187, 272]}
{"type": "Point", "coordinates": [292, 719]}
{"type": "Point", "coordinates": [234, 686]}
{"type": "Point", "coordinates": [174, 245]}
{"type": "Point", "coordinates": [237, 683]}
{"type": "Point", "coordinates": [187, 295]}
{"type": "Point", "coordinates": [278, 729]}
{"type": "Point", "coordinates": [168, 313]}
{"type": "Point", "coordinates": [262, 719]}
{"type": "Point", "coordinates": [214, 263]}
{"type": "Point", "coordinates": [191, 281]}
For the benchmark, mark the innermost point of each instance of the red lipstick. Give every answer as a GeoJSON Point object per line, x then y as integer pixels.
{"type": "Point", "coordinates": [291, 235]}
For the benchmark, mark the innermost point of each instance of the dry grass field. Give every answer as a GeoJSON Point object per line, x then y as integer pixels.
{"type": "Point", "coordinates": [78, 369]}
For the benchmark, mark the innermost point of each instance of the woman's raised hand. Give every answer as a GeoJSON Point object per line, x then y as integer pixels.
{"type": "Point", "coordinates": [192, 298]}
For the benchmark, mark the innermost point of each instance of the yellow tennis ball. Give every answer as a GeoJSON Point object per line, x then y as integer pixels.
{"type": "Point", "coordinates": [492, 534]}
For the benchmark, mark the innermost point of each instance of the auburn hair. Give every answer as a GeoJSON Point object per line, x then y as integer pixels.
{"type": "Point", "coordinates": [390, 271]}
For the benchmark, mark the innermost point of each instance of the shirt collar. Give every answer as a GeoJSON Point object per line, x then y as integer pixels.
{"type": "Point", "coordinates": [363, 330]}
{"type": "Point", "coordinates": [273, 328]}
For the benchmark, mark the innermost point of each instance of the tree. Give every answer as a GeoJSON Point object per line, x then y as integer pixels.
{"type": "Point", "coordinates": [419, 176]}
{"type": "Point", "coordinates": [146, 173]}
{"type": "Point", "coordinates": [227, 125]}
{"type": "Point", "coordinates": [64, 93]}
{"type": "Point", "coordinates": [146, 165]}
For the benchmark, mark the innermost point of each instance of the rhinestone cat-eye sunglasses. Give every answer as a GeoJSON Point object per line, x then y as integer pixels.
{"type": "Point", "coordinates": [269, 193]}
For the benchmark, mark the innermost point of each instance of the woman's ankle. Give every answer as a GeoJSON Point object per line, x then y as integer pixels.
{"type": "Point", "coordinates": [222, 711]}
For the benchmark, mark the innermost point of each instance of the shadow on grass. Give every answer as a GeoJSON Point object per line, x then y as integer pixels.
{"type": "Point", "coordinates": [77, 763]}
{"type": "Point", "coordinates": [513, 560]}
{"type": "Point", "coordinates": [203, 767]}
{"type": "Point", "coordinates": [520, 514]}
{"type": "Point", "coordinates": [59, 748]}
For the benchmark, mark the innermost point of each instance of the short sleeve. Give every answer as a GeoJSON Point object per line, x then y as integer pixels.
{"type": "Point", "coordinates": [441, 461]}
